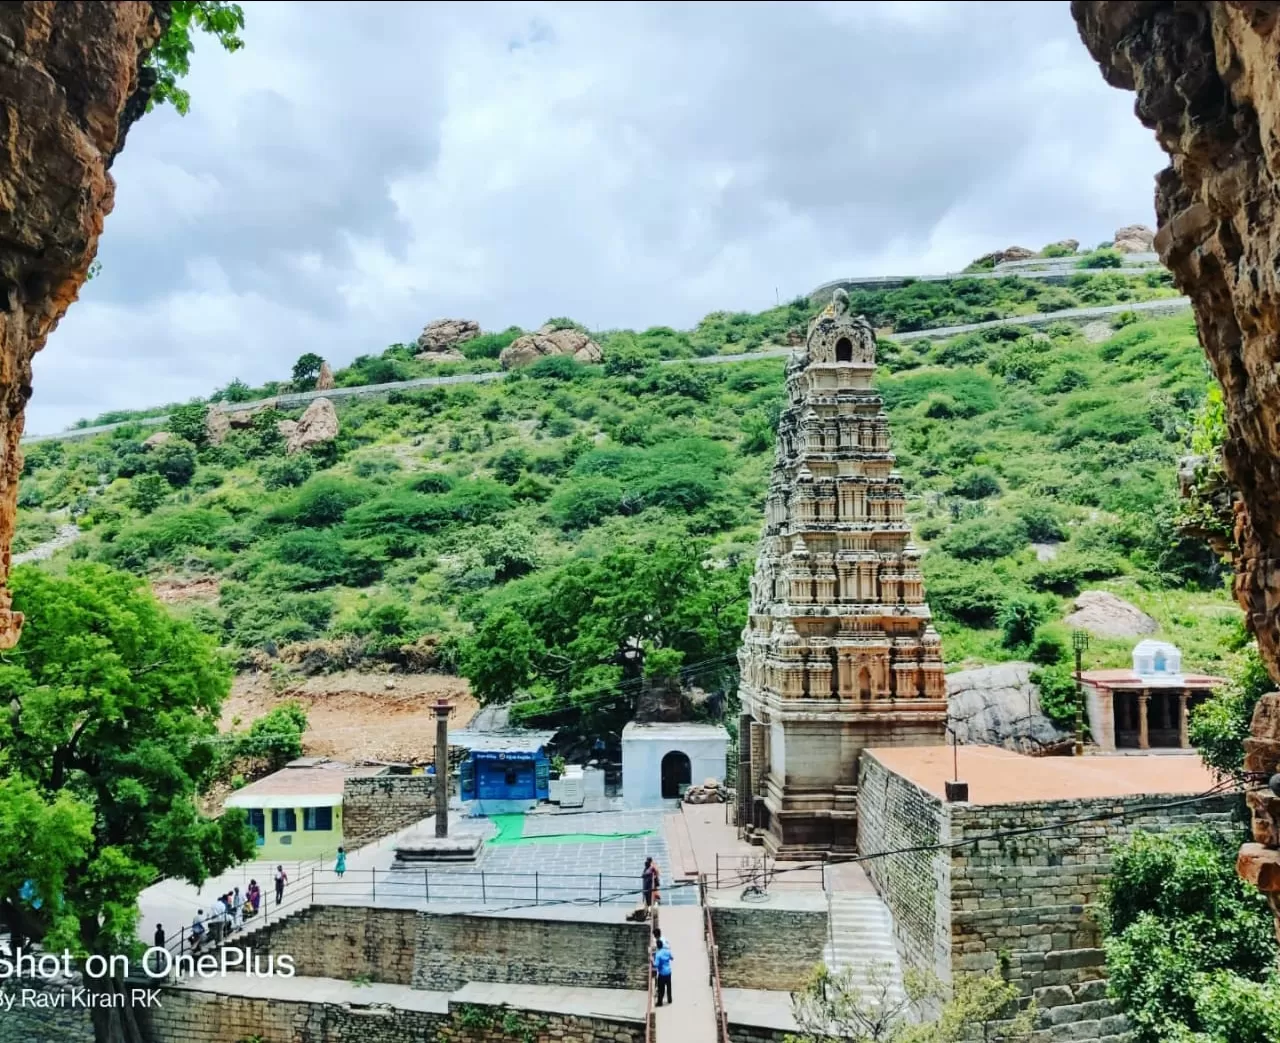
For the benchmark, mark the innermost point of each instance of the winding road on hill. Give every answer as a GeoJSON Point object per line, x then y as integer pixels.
{"type": "Point", "coordinates": [1162, 306]}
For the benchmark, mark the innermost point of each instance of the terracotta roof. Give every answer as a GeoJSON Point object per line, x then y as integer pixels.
{"type": "Point", "coordinates": [1000, 776]}
{"type": "Point", "coordinates": [305, 778]}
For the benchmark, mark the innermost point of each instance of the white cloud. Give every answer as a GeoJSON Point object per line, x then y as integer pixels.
{"type": "Point", "coordinates": [358, 170]}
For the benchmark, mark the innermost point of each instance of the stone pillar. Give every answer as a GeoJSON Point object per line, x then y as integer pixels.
{"type": "Point", "coordinates": [443, 710]}
{"type": "Point", "coordinates": [1144, 739]}
{"type": "Point", "coordinates": [1184, 740]}
{"type": "Point", "coordinates": [745, 787]}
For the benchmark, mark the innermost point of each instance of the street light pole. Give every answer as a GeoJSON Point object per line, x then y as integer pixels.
{"type": "Point", "coordinates": [1079, 641]}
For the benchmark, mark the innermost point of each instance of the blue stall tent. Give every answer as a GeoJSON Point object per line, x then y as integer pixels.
{"type": "Point", "coordinates": [504, 772]}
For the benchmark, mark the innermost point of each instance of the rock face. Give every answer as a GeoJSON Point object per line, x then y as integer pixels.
{"type": "Point", "coordinates": [1134, 239]}
{"type": "Point", "coordinates": [440, 334]}
{"type": "Point", "coordinates": [1259, 863]}
{"type": "Point", "coordinates": [999, 706]}
{"type": "Point", "coordinates": [1012, 253]}
{"type": "Point", "coordinates": [839, 651]}
{"type": "Point", "coordinates": [216, 426]}
{"type": "Point", "coordinates": [159, 438]}
{"type": "Point", "coordinates": [72, 82]}
{"type": "Point", "coordinates": [448, 355]}
{"type": "Point", "coordinates": [1207, 77]}
{"type": "Point", "coordinates": [317, 425]}
{"type": "Point", "coordinates": [526, 350]}
{"type": "Point", "coordinates": [1105, 615]}
{"type": "Point", "coordinates": [324, 382]}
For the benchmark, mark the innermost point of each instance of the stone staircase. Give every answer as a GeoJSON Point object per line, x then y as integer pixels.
{"type": "Point", "coordinates": [860, 940]}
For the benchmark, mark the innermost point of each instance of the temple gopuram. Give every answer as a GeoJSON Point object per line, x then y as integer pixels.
{"type": "Point", "coordinates": [838, 653]}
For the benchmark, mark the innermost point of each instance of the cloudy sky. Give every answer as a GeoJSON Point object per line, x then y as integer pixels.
{"type": "Point", "coordinates": [360, 168]}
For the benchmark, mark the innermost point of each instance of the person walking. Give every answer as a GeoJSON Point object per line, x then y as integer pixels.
{"type": "Point", "coordinates": [197, 930]}
{"type": "Point", "coordinates": [282, 878]}
{"type": "Point", "coordinates": [340, 866]}
{"type": "Point", "coordinates": [158, 938]}
{"type": "Point", "coordinates": [255, 896]}
{"type": "Point", "coordinates": [662, 968]}
{"type": "Point", "coordinates": [648, 880]}
{"type": "Point", "coordinates": [237, 909]}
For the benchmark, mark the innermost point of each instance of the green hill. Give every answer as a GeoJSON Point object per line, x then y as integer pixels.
{"type": "Point", "coordinates": [524, 530]}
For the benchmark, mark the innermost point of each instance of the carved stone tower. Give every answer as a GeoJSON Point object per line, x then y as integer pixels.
{"type": "Point", "coordinates": [838, 653]}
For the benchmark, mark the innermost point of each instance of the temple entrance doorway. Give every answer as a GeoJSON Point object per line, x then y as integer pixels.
{"type": "Point", "coordinates": [676, 772]}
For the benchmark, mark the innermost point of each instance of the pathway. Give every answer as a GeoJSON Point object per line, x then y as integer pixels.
{"type": "Point", "coordinates": [64, 537]}
{"type": "Point", "coordinates": [1169, 304]}
{"type": "Point", "coordinates": [690, 1017]}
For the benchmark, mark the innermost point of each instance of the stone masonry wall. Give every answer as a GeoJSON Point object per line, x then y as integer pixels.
{"type": "Point", "coordinates": [27, 1023]}
{"type": "Point", "coordinates": [445, 951]}
{"type": "Point", "coordinates": [1023, 903]}
{"type": "Point", "coordinates": [345, 942]}
{"type": "Point", "coordinates": [763, 948]}
{"type": "Point", "coordinates": [377, 805]}
{"type": "Point", "coordinates": [895, 814]}
{"type": "Point", "coordinates": [191, 1016]}
{"type": "Point", "coordinates": [453, 950]}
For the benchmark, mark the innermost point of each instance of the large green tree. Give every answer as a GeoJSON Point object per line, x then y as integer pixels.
{"type": "Point", "coordinates": [597, 633]}
{"type": "Point", "coordinates": [111, 731]}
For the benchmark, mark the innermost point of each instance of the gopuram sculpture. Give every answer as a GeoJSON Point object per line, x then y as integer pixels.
{"type": "Point", "coordinates": [838, 653]}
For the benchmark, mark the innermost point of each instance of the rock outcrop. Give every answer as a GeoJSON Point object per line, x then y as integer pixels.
{"type": "Point", "coordinates": [1207, 77]}
{"type": "Point", "coordinates": [319, 424]}
{"type": "Point", "coordinates": [448, 355]}
{"type": "Point", "coordinates": [1103, 614]}
{"type": "Point", "coordinates": [999, 706]}
{"type": "Point", "coordinates": [217, 425]}
{"type": "Point", "coordinates": [159, 438]}
{"type": "Point", "coordinates": [548, 341]}
{"type": "Point", "coordinates": [324, 382]}
{"type": "Point", "coordinates": [1064, 244]}
{"type": "Point", "coordinates": [1012, 253]}
{"type": "Point", "coordinates": [72, 81]}
{"type": "Point", "coordinates": [1134, 239]}
{"type": "Point", "coordinates": [440, 334]}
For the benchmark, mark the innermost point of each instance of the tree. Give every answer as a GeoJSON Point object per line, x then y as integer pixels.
{"type": "Point", "coordinates": [1219, 726]}
{"type": "Point", "coordinates": [112, 732]}
{"type": "Point", "coordinates": [189, 423]}
{"type": "Point", "coordinates": [170, 59]}
{"type": "Point", "coordinates": [307, 369]}
{"type": "Point", "coordinates": [175, 460]}
{"type": "Point", "coordinates": [833, 1006]}
{"type": "Point", "coordinates": [1181, 928]}
{"type": "Point", "coordinates": [147, 492]}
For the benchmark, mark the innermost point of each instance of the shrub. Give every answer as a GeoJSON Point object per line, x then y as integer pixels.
{"type": "Point", "coordinates": [188, 423]}
{"type": "Point", "coordinates": [490, 345]}
{"type": "Point", "coordinates": [323, 500]}
{"type": "Point", "coordinates": [557, 368]}
{"type": "Point", "coordinates": [962, 592]}
{"type": "Point", "coordinates": [1057, 250]}
{"type": "Point", "coordinates": [147, 492]}
{"type": "Point", "coordinates": [1219, 726]}
{"type": "Point", "coordinates": [1103, 257]}
{"type": "Point", "coordinates": [510, 464]}
{"type": "Point", "coordinates": [984, 538]}
{"type": "Point", "coordinates": [977, 483]}
{"type": "Point", "coordinates": [1043, 522]}
{"type": "Point", "coordinates": [1048, 647]}
{"type": "Point", "coordinates": [286, 472]}
{"type": "Point", "coordinates": [1018, 619]}
{"type": "Point", "coordinates": [1058, 696]}
{"type": "Point", "coordinates": [165, 533]}
{"type": "Point", "coordinates": [586, 502]}
{"type": "Point", "coordinates": [175, 461]}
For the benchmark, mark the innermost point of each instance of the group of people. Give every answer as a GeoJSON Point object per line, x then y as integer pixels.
{"type": "Point", "coordinates": [651, 889]}
{"type": "Point", "coordinates": [228, 913]}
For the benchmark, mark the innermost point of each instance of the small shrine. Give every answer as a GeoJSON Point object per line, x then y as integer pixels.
{"type": "Point", "coordinates": [1148, 706]}
{"type": "Point", "coordinates": [839, 651]}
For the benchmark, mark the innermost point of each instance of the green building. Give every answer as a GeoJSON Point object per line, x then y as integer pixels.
{"type": "Point", "coordinates": [297, 811]}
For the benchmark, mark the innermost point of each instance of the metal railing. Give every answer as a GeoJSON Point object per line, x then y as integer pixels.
{"type": "Point", "coordinates": [713, 955]}
{"type": "Point", "coordinates": [760, 873]}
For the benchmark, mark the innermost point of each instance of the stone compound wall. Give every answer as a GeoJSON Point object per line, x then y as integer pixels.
{"type": "Point", "coordinates": [767, 948]}
{"type": "Point", "coordinates": [445, 951]}
{"type": "Point", "coordinates": [374, 806]}
{"type": "Point", "coordinates": [29, 1024]}
{"type": "Point", "coordinates": [191, 1016]}
{"type": "Point", "coordinates": [894, 814]}
{"type": "Point", "coordinates": [1021, 904]}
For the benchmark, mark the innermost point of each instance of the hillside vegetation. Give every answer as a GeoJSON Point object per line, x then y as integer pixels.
{"type": "Point", "coordinates": [580, 533]}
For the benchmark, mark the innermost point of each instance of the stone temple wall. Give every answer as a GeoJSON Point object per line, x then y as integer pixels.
{"type": "Point", "coordinates": [768, 948]}
{"type": "Point", "coordinates": [1019, 904]}
{"type": "Point", "coordinates": [375, 806]}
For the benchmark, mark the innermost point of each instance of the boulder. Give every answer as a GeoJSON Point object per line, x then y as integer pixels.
{"type": "Point", "coordinates": [712, 791]}
{"type": "Point", "coordinates": [286, 428]}
{"type": "Point", "coordinates": [447, 355]}
{"type": "Point", "coordinates": [1102, 613]}
{"type": "Point", "coordinates": [1134, 239]}
{"type": "Point", "coordinates": [159, 438]}
{"type": "Point", "coordinates": [243, 418]}
{"type": "Point", "coordinates": [548, 341]}
{"type": "Point", "coordinates": [999, 706]}
{"type": "Point", "coordinates": [1067, 244]}
{"type": "Point", "coordinates": [1012, 253]}
{"type": "Point", "coordinates": [441, 334]}
{"type": "Point", "coordinates": [324, 382]}
{"type": "Point", "coordinates": [317, 425]}
{"type": "Point", "coordinates": [217, 425]}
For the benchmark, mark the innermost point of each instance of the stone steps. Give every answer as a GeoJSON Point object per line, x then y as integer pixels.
{"type": "Point", "coordinates": [861, 944]}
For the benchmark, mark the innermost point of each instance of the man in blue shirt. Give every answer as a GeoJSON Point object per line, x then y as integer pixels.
{"type": "Point", "coordinates": [662, 968]}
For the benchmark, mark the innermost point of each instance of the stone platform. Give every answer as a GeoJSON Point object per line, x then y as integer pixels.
{"type": "Point", "coordinates": [415, 850]}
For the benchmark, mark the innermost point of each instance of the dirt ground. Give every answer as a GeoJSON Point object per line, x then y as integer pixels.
{"type": "Point", "coordinates": [386, 717]}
